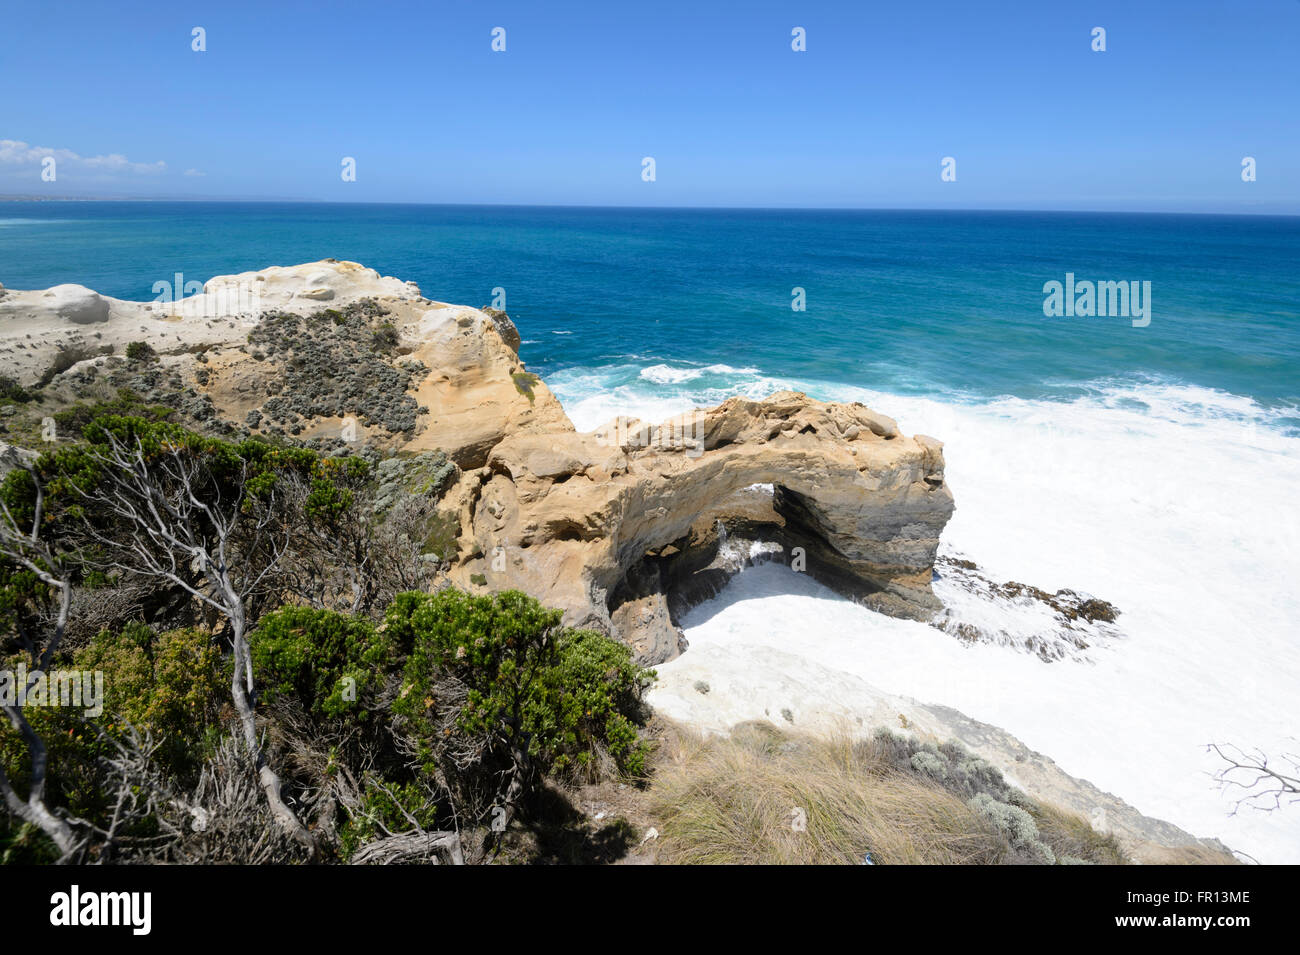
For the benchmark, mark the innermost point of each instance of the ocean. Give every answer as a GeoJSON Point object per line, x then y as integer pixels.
{"type": "Point", "coordinates": [1152, 461]}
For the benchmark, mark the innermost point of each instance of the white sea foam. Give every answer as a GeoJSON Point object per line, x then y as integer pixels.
{"type": "Point", "coordinates": [6, 223]}
{"type": "Point", "coordinates": [1173, 502]}
{"type": "Point", "coordinates": [593, 397]}
{"type": "Point", "coordinates": [662, 374]}
{"type": "Point", "coordinates": [667, 375]}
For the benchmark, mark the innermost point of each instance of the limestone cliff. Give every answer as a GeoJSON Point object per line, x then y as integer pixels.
{"type": "Point", "coordinates": [610, 525]}
{"type": "Point", "coordinates": [621, 527]}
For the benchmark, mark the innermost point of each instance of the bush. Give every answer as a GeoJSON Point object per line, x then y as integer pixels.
{"type": "Point", "coordinates": [74, 418]}
{"type": "Point", "coordinates": [11, 390]}
{"type": "Point", "coordinates": [386, 337]}
{"type": "Point", "coordinates": [327, 660]}
{"type": "Point", "coordinates": [1035, 832]}
{"type": "Point", "coordinates": [949, 763]}
{"type": "Point", "coordinates": [590, 693]}
{"type": "Point", "coordinates": [21, 843]}
{"type": "Point", "coordinates": [141, 351]}
{"type": "Point", "coordinates": [1016, 825]}
{"type": "Point", "coordinates": [517, 680]}
{"type": "Point", "coordinates": [385, 809]}
{"type": "Point", "coordinates": [72, 752]}
{"type": "Point", "coordinates": [169, 684]}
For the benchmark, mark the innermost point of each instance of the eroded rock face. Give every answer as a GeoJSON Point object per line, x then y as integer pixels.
{"type": "Point", "coordinates": [478, 392]}
{"type": "Point", "coordinates": [505, 328]}
{"type": "Point", "coordinates": [37, 327]}
{"type": "Point", "coordinates": [328, 351]}
{"type": "Point", "coordinates": [608, 525]}
{"type": "Point", "coordinates": [622, 528]}
{"type": "Point", "coordinates": [76, 304]}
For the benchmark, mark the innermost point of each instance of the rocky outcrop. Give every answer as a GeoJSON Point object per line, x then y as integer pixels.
{"type": "Point", "coordinates": [622, 528]}
{"type": "Point", "coordinates": [505, 328]}
{"type": "Point", "coordinates": [76, 304]}
{"type": "Point", "coordinates": [1053, 626]}
{"type": "Point", "coordinates": [611, 526]}
{"type": "Point", "coordinates": [478, 392]}
{"type": "Point", "coordinates": [329, 352]}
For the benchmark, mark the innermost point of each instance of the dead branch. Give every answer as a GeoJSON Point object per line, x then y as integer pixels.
{"type": "Point", "coordinates": [1257, 781]}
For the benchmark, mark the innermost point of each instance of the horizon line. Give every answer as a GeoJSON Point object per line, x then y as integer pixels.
{"type": "Point", "coordinates": [640, 208]}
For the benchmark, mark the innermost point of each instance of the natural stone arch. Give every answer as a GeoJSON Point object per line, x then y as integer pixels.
{"type": "Point", "coordinates": [579, 515]}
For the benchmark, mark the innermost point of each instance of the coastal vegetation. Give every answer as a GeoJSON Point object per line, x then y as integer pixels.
{"type": "Point", "coordinates": [281, 684]}
{"type": "Point", "coordinates": [766, 796]}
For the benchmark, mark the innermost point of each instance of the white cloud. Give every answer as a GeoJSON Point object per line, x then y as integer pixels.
{"type": "Point", "coordinates": [195, 172]}
{"type": "Point", "coordinates": [16, 152]}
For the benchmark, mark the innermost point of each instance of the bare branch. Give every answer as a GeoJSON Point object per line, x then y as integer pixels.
{"type": "Point", "coordinates": [1257, 781]}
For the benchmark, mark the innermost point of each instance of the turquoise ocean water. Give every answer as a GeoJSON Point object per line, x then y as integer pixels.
{"type": "Point", "coordinates": [901, 302]}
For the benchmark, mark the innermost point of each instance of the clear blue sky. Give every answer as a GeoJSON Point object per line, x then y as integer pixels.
{"type": "Point", "coordinates": [732, 116]}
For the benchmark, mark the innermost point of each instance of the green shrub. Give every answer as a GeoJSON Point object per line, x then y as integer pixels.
{"type": "Point", "coordinates": [21, 843]}
{"type": "Point", "coordinates": [1016, 825]}
{"type": "Point", "coordinates": [248, 471]}
{"type": "Point", "coordinates": [327, 660]}
{"type": "Point", "coordinates": [171, 684]}
{"type": "Point", "coordinates": [72, 751]}
{"type": "Point", "coordinates": [167, 685]}
{"type": "Point", "coordinates": [590, 692]}
{"type": "Point", "coordinates": [75, 418]}
{"type": "Point", "coordinates": [564, 697]}
{"type": "Point", "coordinates": [383, 809]}
{"type": "Point", "coordinates": [141, 351]}
{"type": "Point", "coordinates": [11, 390]}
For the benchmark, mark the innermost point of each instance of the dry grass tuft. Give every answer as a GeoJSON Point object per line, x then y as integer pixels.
{"type": "Point", "coordinates": [1151, 854]}
{"type": "Point", "coordinates": [1072, 836]}
{"type": "Point", "coordinates": [732, 801]}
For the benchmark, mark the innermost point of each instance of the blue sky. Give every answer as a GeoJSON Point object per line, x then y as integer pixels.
{"type": "Point", "coordinates": [733, 117]}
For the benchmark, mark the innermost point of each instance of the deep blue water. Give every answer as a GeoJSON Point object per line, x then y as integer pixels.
{"type": "Point", "coordinates": [907, 302]}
